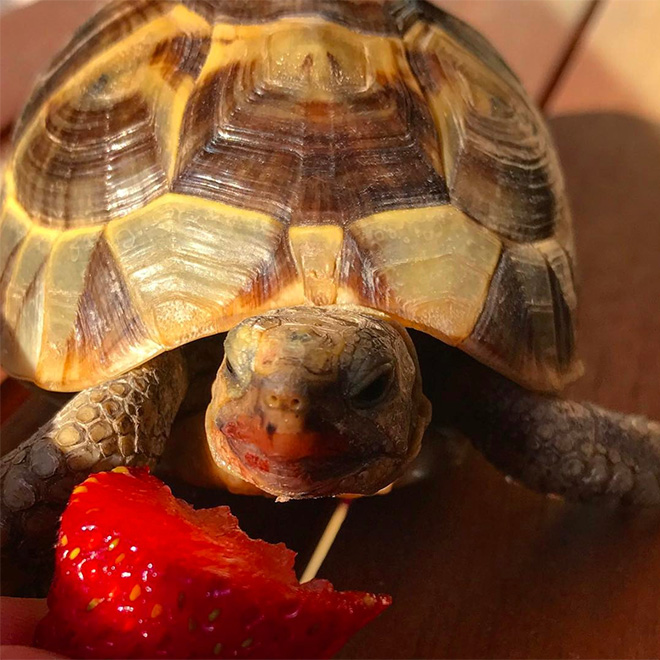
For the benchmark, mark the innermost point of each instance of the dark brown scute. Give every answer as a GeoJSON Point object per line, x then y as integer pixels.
{"type": "Point", "coordinates": [503, 172]}
{"type": "Point", "coordinates": [182, 55]}
{"type": "Point", "coordinates": [308, 162]}
{"type": "Point", "coordinates": [564, 330]}
{"type": "Point", "coordinates": [106, 318]}
{"type": "Point", "coordinates": [236, 167]}
{"type": "Point", "coordinates": [72, 169]}
{"type": "Point", "coordinates": [466, 35]}
{"type": "Point", "coordinates": [98, 142]}
{"type": "Point", "coordinates": [532, 210]}
{"type": "Point", "coordinates": [526, 324]}
{"type": "Point", "coordinates": [112, 23]}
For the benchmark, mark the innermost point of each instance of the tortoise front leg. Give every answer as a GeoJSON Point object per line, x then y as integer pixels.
{"type": "Point", "coordinates": [125, 421]}
{"type": "Point", "coordinates": [577, 450]}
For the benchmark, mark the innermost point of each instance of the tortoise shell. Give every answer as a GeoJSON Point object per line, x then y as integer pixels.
{"type": "Point", "coordinates": [184, 165]}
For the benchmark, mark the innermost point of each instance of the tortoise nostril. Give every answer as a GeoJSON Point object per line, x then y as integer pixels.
{"type": "Point", "coordinates": [278, 401]}
{"type": "Point", "coordinates": [273, 401]}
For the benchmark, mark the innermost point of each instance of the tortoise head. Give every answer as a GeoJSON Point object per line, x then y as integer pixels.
{"type": "Point", "coordinates": [313, 401]}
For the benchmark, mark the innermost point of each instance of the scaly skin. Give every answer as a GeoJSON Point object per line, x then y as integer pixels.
{"type": "Point", "coordinates": [125, 421]}
{"type": "Point", "coordinates": [576, 450]}
{"type": "Point", "coordinates": [579, 451]}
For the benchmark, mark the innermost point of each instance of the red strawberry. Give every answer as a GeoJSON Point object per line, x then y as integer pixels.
{"type": "Point", "coordinates": [141, 574]}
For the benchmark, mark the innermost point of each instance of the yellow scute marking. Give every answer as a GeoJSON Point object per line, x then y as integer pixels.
{"type": "Point", "coordinates": [188, 261]}
{"type": "Point", "coordinates": [317, 58]}
{"type": "Point", "coordinates": [14, 227]}
{"type": "Point", "coordinates": [430, 267]}
{"type": "Point", "coordinates": [191, 267]}
{"type": "Point", "coordinates": [312, 58]}
{"type": "Point", "coordinates": [317, 251]}
{"type": "Point", "coordinates": [137, 46]}
{"type": "Point", "coordinates": [23, 306]}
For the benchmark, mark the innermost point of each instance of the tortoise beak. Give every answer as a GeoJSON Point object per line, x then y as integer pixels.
{"type": "Point", "coordinates": [289, 441]}
{"type": "Point", "coordinates": [298, 464]}
{"type": "Point", "coordinates": [296, 437]}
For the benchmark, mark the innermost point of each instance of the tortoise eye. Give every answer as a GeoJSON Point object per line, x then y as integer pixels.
{"type": "Point", "coordinates": [230, 368]}
{"type": "Point", "coordinates": [374, 391]}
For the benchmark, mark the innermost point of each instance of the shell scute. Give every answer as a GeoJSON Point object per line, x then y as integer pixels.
{"type": "Point", "coordinates": [533, 329]}
{"type": "Point", "coordinates": [192, 264]}
{"type": "Point", "coordinates": [500, 164]}
{"type": "Point", "coordinates": [187, 164]}
{"type": "Point", "coordinates": [104, 142]}
{"type": "Point", "coordinates": [431, 267]}
{"type": "Point", "coordinates": [109, 25]}
{"type": "Point", "coordinates": [309, 122]}
{"type": "Point", "coordinates": [23, 297]}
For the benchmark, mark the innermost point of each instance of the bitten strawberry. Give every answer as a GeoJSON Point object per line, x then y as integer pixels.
{"type": "Point", "coordinates": [141, 574]}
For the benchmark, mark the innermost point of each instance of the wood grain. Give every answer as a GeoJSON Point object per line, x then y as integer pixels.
{"type": "Point", "coordinates": [482, 569]}
{"type": "Point", "coordinates": [532, 35]}
{"type": "Point", "coordinates": [616, 67]}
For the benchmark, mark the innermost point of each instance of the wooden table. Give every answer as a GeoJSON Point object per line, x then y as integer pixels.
{"type": "Point", "coordinates": [478, 567]}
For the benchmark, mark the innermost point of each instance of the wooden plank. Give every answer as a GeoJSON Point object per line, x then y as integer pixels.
{"type": "Point", "coordinates": [608, 106]}
{"type": "Point", "coordinates": [482, 569]}
{"type": "Point", "coordinates": [617, 65]}
{"type": "Point", "coordinates": [532, 35]}
{"type": "Point", "coordinates": [612, 163]}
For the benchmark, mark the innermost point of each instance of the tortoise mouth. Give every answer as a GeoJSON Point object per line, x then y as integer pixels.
{"type": "Point", "coordinates": [306, 464]}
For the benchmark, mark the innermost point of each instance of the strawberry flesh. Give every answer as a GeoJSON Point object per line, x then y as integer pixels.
{"type": "Point", "coordinates": [140, 574]}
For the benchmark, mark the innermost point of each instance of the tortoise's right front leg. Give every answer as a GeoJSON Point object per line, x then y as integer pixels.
{"type": "Point", "coordinates": [125, 421]}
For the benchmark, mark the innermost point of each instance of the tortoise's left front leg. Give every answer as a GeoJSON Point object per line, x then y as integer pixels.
{"type": "Point", "coordinates": [125, 421]}
{"type": "Point", "coordinates": [580, 451]}
{"type": "Point", "coordinates": [577, 450]}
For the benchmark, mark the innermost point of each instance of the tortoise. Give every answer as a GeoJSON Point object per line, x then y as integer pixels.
{"type": "Point", "coordinates": [274, 220]}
